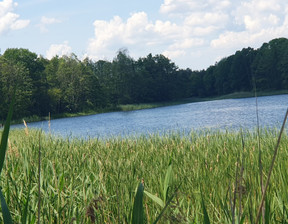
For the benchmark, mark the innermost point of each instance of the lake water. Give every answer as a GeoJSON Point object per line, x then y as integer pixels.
{"type": "Point", "coordinates": [219, 114]}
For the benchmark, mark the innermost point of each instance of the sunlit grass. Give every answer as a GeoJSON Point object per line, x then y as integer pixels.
{"type": "Point", "coordinates": [81, 179]}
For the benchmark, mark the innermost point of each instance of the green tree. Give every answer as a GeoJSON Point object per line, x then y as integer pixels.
{"type": "Point", "coordinates": [69, 77]}
{"type": "Point", "coordinates": [15, 77]}
{"type": "Point", "coordinates": [93, 96]}
{"type": "Point", "coordinates": [222, 76]}
{"type": "Point", "coordinates": [281, 45]}
{"type": "Point", "coordinates": [158, 74]}
{"type": "Point", "coordinates": [123, 76]}
{"type": "Point", "coordinates": [241, 73]}
{"type": "Point", "coordinates": [103, 71]}
{"type": "Point", "coordinates": [209, 82]}
{"type": "Point", "coordinates": [54, 89]}
{"type": "Point", "coordinates": [35, 67]}
{"type": "Point", "coordinates": [267, 77]}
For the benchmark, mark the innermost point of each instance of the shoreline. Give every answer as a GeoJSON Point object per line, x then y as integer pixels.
{"type": "Point", "coordinates": [142, 106]}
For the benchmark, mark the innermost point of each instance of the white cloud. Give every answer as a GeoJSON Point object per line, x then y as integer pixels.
{"type": "Point", "coordinates": [202, 31]}
{"type": "Point", "coordinates": [8, 19]}
{"type": "Point", "coordinates": [136, 32]}
{"type": "Point", "coordinates": [187, 43]}
{"type": "Point", "coordinates": [174, 54]}
{"type": "Point", "coordinates": [59, 50]}
{"type": "Point", "coordinates": [258, 21]}
{"type": "Point", "coordinates": [46, 21]}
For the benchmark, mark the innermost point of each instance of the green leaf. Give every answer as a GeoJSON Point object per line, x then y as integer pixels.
{"type": "Point", "coordinates": [4, 139]}
{"type": "Point", "coordinates": [206, 217]}
{"type": "Point", "coordinates": [242, 220]}
{"type": "Point", "coordinates": [25, 210]}
{"type": "Point", "coordinates": [5, 211]}
{"type": "Point", "coordinates": [138, 211]}
{"type": "Point", "coordinates": [167, 204]}
{"type": "Point", "coordinates": [61, 182]}
{"type": "Point", "coordinates": [155, 199]}
{"type": "Point", "coordinates": [267, 211]}
{"type": "Point", "coordinates": [167, 181]}
{"type": "Point", "coordinates": [3, 147]}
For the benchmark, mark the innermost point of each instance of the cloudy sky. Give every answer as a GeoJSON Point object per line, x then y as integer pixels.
{"type": "Point", "coordinates": [192, 33]}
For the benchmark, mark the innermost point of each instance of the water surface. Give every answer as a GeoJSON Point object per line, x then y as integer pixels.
{"type": "Point", "coordinates": [219, 114]}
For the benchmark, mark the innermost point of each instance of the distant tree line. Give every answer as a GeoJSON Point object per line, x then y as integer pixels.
{"type": "Point", "coordinates": [67, 84]}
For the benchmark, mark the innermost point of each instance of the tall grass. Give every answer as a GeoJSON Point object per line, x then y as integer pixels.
{"type": "Point", "coordinates": [3, 148]}
{"type": "Point", "coordinates": [95, 181]}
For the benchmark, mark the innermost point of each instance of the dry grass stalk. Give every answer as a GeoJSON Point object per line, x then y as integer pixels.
{"type": "Point", "coordinates": [271, 167]}
{"type": "Point", "coordinates": [26, 128]}
{"type": "Point", "coordinates": [260, 152]}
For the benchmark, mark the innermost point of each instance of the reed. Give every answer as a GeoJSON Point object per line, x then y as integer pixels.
{"type": "Point", "coordinates": [80, 175]}
{"type": "Point", "coordinates": [3, 148]}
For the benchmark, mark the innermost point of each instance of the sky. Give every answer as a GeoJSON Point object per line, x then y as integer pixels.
{"type": "Point", "coordinates": [192, 33]}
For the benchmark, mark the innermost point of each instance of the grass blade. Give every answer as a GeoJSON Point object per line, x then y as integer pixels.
{"type": "Point", "coordinates": [39, 179]}
{"type": "Point", "coordinates": [3, 147]}
{"type": "Point", "coordinates": [259, 149]}
{"type": "Point", "coordinates": [166, 205]}
{"type": "Point", "coordinates": [5, 211]}
{"type": "Point", "coordinates": [25, 211]}
{"type": "Point", "coordinates": [4, 138]}
{"type": "Point", "coordinates": [138, 211]}
{"type": "Point", "coordinates": [205, 213]}
{"type": "Point", "coordinates": [167, 181]}
{"type": "Point", "coordinates": [155, 199]}
{"type": "Point", "coordinates": [271, 167]}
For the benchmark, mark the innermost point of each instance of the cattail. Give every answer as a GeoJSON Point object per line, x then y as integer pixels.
{"type": "Point", "coordinates": [26, 128]}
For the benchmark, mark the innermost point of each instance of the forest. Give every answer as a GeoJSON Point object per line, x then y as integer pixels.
{"type": "Point", "coordinates": [69, 85]}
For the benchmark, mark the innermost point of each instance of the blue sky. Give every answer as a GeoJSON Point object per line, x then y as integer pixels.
{"type": "Point", "coordinates": [192, 33]}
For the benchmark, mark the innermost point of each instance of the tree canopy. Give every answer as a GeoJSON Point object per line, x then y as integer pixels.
{"type": "Point", "coordinates": [67, 84]}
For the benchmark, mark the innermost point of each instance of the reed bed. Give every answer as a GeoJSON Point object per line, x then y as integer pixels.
{"type": "Point", "coordinates": [95, 181]}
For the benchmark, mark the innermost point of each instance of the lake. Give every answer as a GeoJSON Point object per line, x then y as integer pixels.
{"type": "Point", "coordinates": [231, 114]}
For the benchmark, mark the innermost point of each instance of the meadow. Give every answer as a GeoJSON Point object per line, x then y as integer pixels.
{"type": "Point", "coordinates": [207, 177]}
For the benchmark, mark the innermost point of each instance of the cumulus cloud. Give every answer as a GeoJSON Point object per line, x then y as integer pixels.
{"type": "Point", "coordinates": [46, 21]}
{"type": "Point", "coordinates": [8, 19]}
{"type": "Point", "coordinates": [138, 34]}
{"type": "Point", "coordinates": [58, 50]}
{"type": "Point", "coordinates": [202, 31]}
{"type": "Point", "coordinates": [258, 21]}
{"type": "Point", "coordinates": [174, 53]}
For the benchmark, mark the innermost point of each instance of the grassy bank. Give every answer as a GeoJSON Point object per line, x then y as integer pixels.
{"type": "Point", "coordinates": [83, 180]}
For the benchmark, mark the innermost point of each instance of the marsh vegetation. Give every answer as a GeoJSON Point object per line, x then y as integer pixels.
{"type": "Point", "coordinates": [86, 180]}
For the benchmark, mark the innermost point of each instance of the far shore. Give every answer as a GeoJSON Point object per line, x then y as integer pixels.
{"type": "Point", "coordinates": [132, 107]}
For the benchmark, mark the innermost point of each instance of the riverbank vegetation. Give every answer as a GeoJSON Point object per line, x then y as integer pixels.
{"type": "Point", "coordinates": [95, 181]}
{"type": "Point", "coordinates": [68, 85]}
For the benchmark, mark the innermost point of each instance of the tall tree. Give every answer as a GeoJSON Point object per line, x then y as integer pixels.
{"type": "Point", "coordinates": [93, 96]}
{"type": "Point", "coordinates": [241, 73]}
{"type": "Point", "coordinates": [123, 75]}
{"type": "Point", "coordinates": [35, 67]}
{"type": "Point", "coordinates": [15, 77]}
{"type": "Point", "coordinates": [266, 75]}
{"type": "Point", "coordinates": [69, 76]}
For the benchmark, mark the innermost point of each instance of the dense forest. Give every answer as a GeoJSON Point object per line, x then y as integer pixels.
{"type": "Point", "coordinates": [67, 84]}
